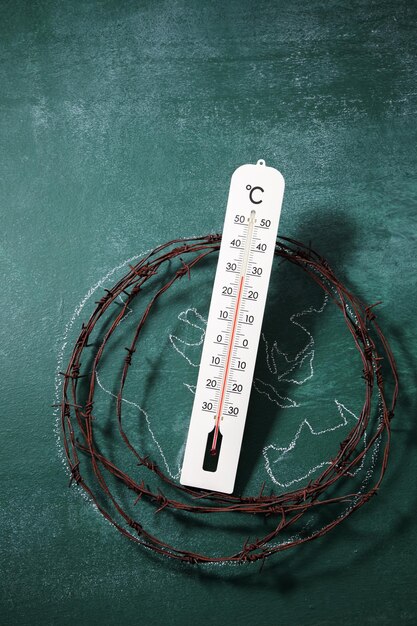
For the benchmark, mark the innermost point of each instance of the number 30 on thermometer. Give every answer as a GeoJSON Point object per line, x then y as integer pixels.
{"type": "Point", "coordinates": [233, 328]}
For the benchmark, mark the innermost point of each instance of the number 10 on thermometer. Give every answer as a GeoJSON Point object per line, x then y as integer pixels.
{"type": "Point", "coordinates": [233, 328]}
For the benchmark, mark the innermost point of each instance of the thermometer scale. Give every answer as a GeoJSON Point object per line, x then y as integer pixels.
{"type": "Point", "coordinates": [233, 328]}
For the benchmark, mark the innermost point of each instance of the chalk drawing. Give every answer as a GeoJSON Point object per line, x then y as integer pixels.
{"type": "Point", "coordinates": [180, 344]}
{"type": "Point", "coordinates": [283, 451]}
{"type": "Point", "coordinates": [293, 374]}
{"type": "Point", "coordinates": [148, 423]}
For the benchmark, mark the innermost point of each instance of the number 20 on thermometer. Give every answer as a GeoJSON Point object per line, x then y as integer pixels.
{"type": "Point", "coordinates": [233, 328]}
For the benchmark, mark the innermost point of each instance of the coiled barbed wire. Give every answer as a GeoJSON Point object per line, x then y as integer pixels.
{"type": "Point", "coordinates": [78, 419]}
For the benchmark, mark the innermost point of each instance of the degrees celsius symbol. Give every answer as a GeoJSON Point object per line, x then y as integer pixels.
{"type": "Point", "coordinates": [233, 328]}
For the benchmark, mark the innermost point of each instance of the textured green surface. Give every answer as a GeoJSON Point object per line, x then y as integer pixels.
{"type": "Point", "coordinates": [120, 125]}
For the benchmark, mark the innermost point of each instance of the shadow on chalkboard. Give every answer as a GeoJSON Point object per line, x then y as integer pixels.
{"type": "Point", "coordinates": [398, 498]}
{"type": "Point", "coordinates": [325, 232]}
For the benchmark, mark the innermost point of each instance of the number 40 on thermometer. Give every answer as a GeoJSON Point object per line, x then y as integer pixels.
{"type": "Point", "coordinates": [233, 328]}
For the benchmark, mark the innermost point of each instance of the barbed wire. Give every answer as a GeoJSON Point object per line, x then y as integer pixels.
{"type": "Point", "coordinates": [79, 420]}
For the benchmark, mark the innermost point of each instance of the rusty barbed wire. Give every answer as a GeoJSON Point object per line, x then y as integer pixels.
{"type": "Point", "coordinates": [78, 419]}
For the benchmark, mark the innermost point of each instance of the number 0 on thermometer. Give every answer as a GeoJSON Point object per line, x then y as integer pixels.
{"type": "Point", "coordinates": [233, 328]}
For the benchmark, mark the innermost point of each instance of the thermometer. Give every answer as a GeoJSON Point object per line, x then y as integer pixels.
{"type": "Point", "coordinates": [233, 328]}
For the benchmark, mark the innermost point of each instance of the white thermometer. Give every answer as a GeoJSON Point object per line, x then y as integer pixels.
{"type": "Point", "coordinates": [233, 328]}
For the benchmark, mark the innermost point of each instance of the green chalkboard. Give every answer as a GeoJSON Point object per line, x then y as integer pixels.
{"type": "Point", "coordinates": [121, 124]}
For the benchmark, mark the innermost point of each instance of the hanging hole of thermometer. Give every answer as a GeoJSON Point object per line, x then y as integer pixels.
{"type": "Point", "coordinates": [233, 328]}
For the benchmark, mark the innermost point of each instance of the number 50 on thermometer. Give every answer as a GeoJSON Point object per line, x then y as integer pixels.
{"type": "Point", "coordinates": [233, 328]}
